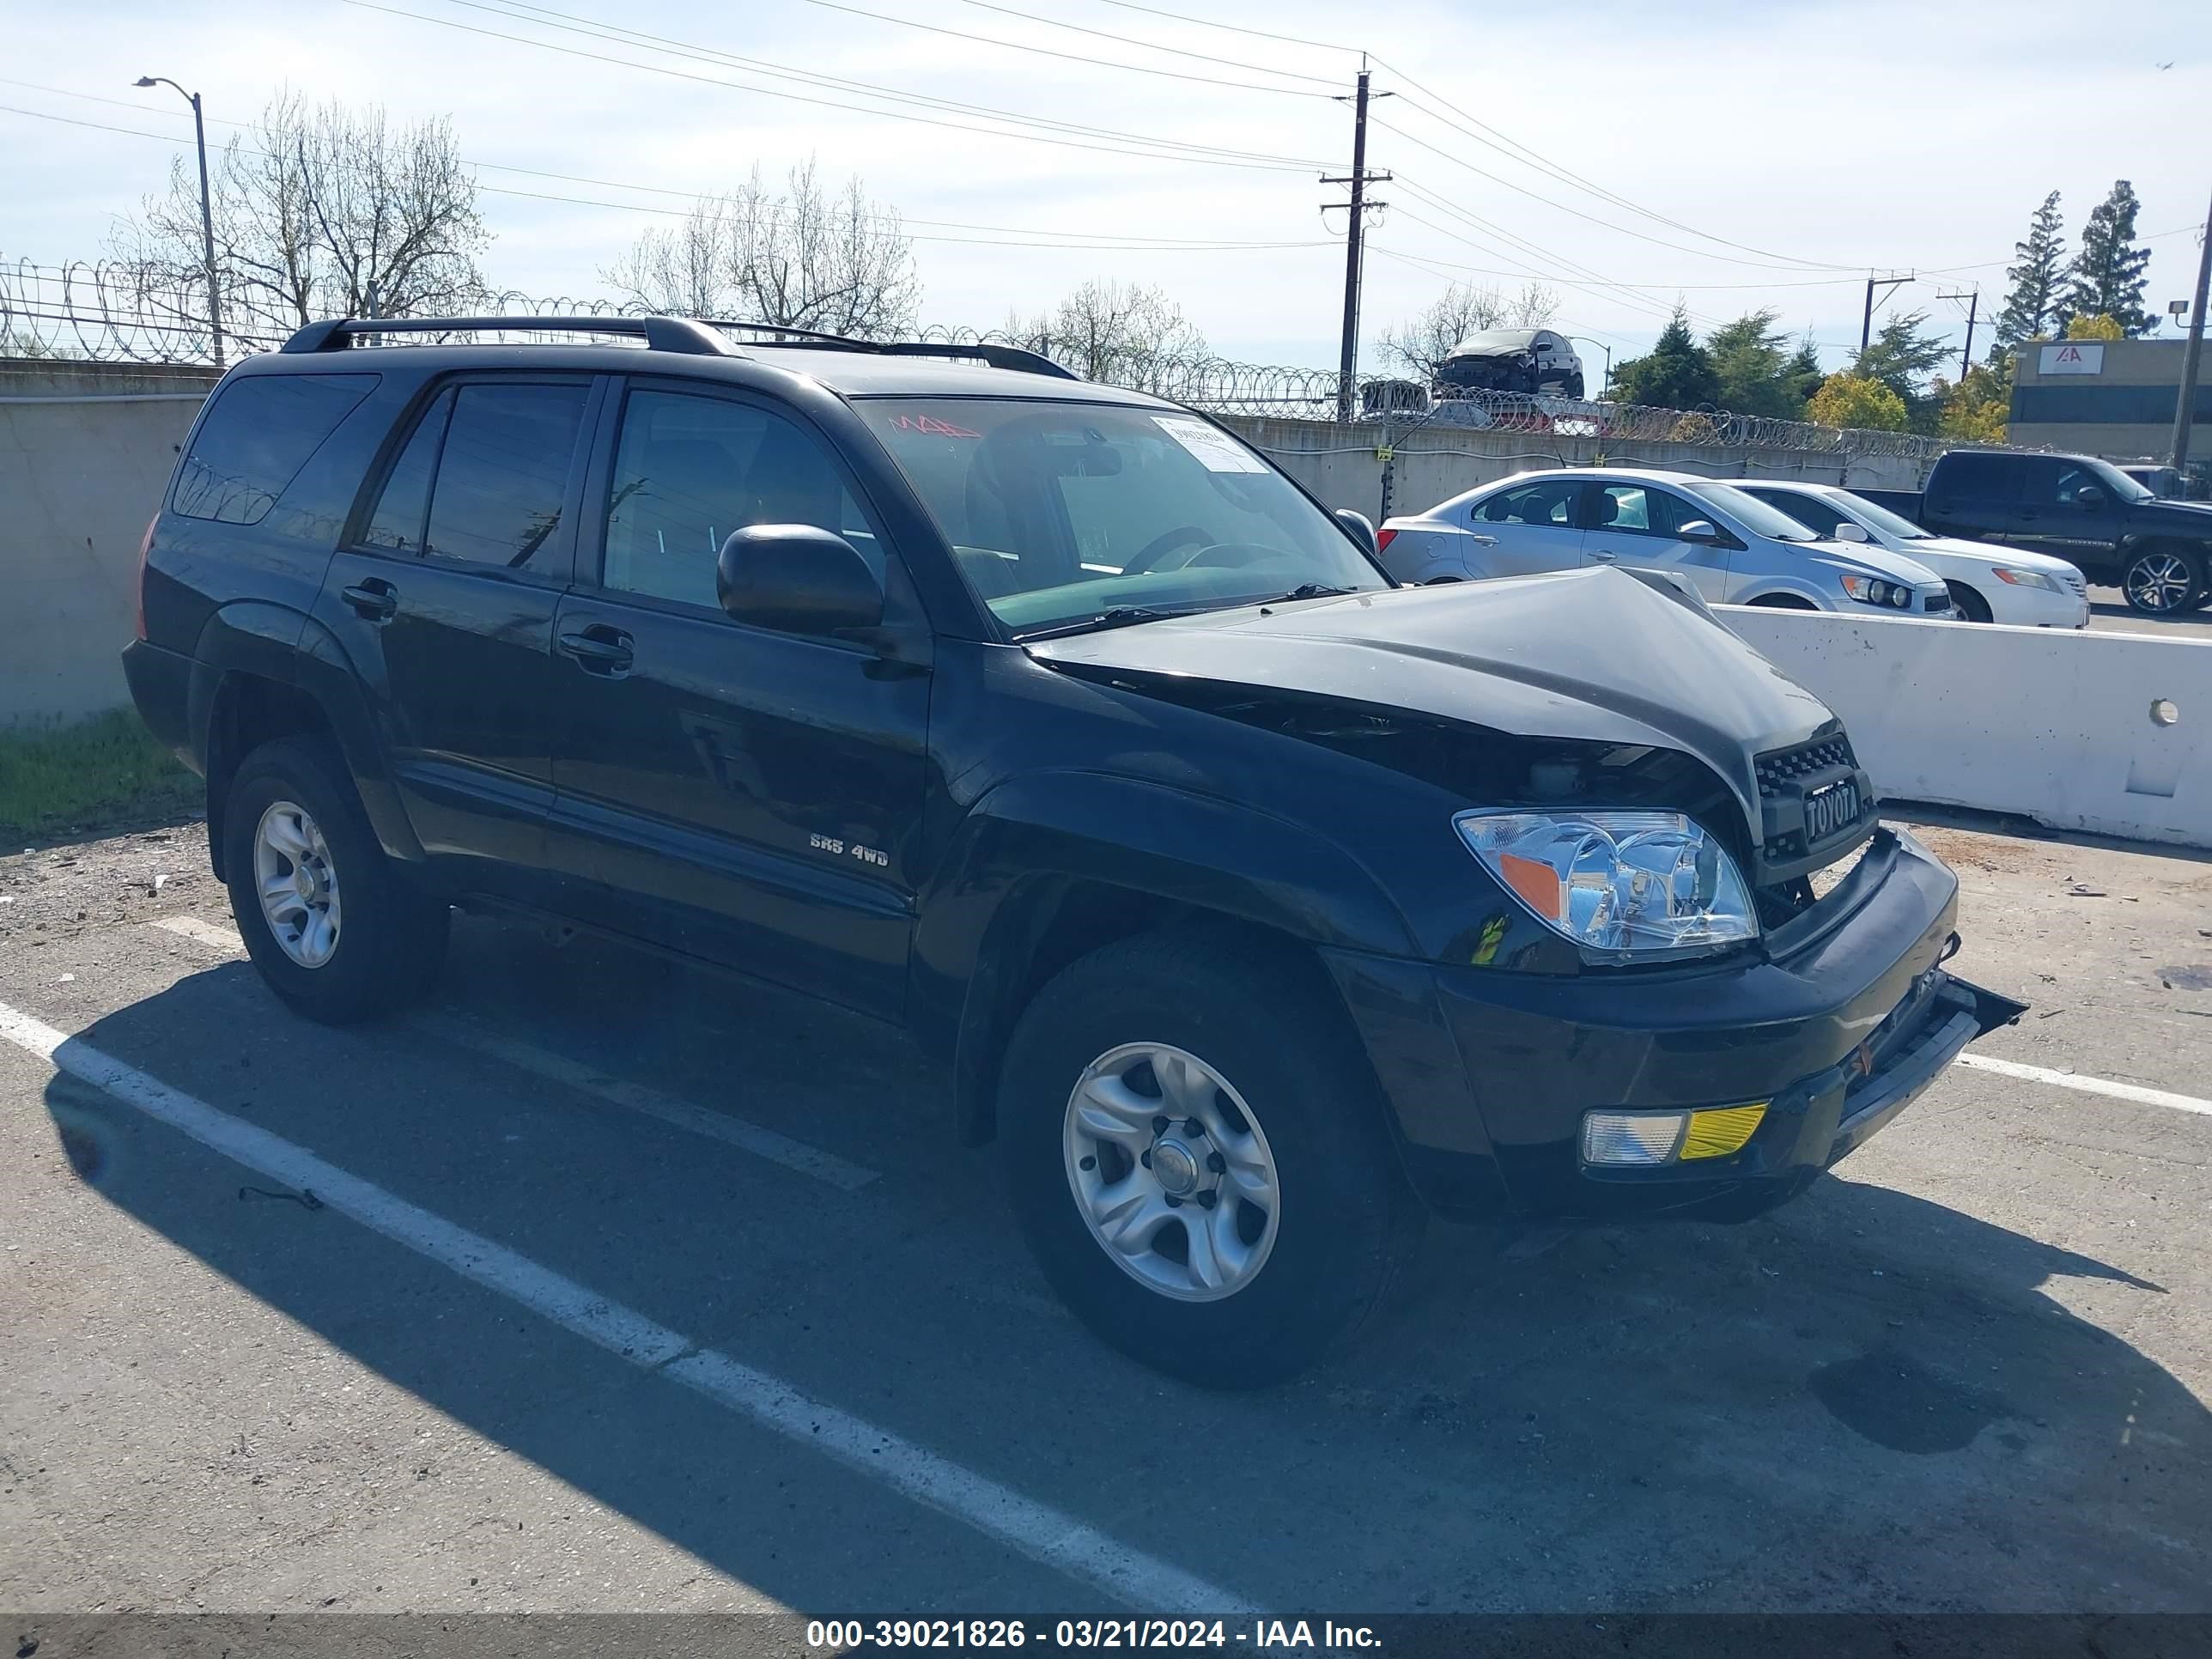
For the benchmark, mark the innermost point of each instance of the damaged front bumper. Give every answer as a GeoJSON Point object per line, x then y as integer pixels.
{"type": "Point", "coordinates": [1842, 1018]}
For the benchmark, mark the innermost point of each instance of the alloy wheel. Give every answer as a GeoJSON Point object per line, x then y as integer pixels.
{"type": "Point", "coordinates": [2159, 583]}
{"type": "Point", "coordinates": [297, 884]}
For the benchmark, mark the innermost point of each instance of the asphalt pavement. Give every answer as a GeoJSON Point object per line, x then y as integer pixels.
{"type": "Point", "coordinates": [603, 1285]}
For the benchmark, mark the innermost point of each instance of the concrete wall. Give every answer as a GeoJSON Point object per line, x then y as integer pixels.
{"type": "Point", "coordinates": [1433, 463]}
{"type": "Point", "coordinates": [85, 452]}
{"type": "Point", "coordinates": [2058, 726]}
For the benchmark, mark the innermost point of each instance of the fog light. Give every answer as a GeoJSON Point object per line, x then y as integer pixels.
{"type": "Point", "coordinates": [1718, 1133]}
{"type": "Point", "coordinates": [1631, 1138]}
{"type": "Point", "coordinates": [1647, 1139]}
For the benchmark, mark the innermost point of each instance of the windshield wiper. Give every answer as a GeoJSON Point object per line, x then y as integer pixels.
{"type": "Point", "coordinates": [1310, 590]}
{"type": "Point", "coordinates": [1119, 615]}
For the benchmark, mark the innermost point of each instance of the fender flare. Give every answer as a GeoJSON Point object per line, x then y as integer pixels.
{"type": "Point", "coordinates": [1030, 848]}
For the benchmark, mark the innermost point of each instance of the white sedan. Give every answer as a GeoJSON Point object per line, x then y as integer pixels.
{"type": "Point", "coordinates": [1988, 583]}
{"type": "Point", "coordinates": [1732, 549]}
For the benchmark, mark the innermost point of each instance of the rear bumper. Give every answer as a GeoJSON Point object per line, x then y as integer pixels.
{"type": "Point", "coordinates": [1840, 1023]}
{"type": "Point", "coordinates": [160, 682]}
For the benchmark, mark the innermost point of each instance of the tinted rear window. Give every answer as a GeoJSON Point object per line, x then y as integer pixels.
{"type": "Point", "coordinates": [256, 438]}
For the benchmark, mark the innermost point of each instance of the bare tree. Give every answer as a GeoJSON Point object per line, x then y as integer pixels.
{"type": "Point", "coordinates": [1419, 344]}
{"type": "Point", "coordinates": [321, 211]}
{"type": "Point", "coordinates": [1123, 333]}
{"type": "Point", "coordinates": [800, 258]}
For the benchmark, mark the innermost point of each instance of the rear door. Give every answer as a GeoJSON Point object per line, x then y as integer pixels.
{"type": "Point", "coordinates": [731, 791]}
{"type": "Point", "coordinates": [1634, 524]}
{"type": "Point", "coordinates": [2065, 509]}
{"type": "Point", "coordinates": [1528, 528]}
{"type": "Point", "coordinates": [442, 597]}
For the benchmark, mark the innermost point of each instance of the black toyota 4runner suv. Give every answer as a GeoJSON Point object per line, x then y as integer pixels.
{"type": "Point", "coordinates": [1253, 904]}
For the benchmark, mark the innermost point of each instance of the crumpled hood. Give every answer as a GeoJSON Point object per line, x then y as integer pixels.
{"type": "Point", "coordinates": [1593, 655]}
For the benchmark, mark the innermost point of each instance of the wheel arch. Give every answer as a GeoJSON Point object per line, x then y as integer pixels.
{"type": "Point", "coordinates": [1031, 889]}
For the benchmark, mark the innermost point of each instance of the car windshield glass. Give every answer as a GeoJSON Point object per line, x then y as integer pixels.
{"type": "Point", "coordinates": [1889, 523]}
{"type": "Point", "coordinates": [1752, 513]}
{"type": "Point", "coordinates": [1059, 514]}
{"type": "Point", "coordinates": [2123, 487]}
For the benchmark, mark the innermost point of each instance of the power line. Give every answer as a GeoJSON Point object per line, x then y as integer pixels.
{"type": "Point", "coordinates": [1033, 239]}
{"type": "Point", "coordinates": [1148, 45]}
{"type": "Point", "coordinates": [1166, 150]}
{"type": "Point", "coordinates": [1506, 144]}
{"type": "Point", "coordinates": [1234, 29]}
{"type": "Point", "coordinates": [1068, 57]}
{"type": "Point", "coordinates": [1669, 287]}
{"type": "Point", "coordinates": [525, 11]}
{"type": "Point", "coordinates": [1533, 196]}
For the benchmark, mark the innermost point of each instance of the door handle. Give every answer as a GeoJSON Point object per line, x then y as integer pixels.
{"type": "Point", "coordinates": [600, 649]}
{"type": "Point", "coordinates": [376, 599]}
{"type": "Point", "coordinates": [1603, 554]}
{"type": "Point", "coordinates": [1483, 541]}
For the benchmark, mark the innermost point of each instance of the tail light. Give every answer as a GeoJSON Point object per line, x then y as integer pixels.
{"type": "Point", "coordinates": [145, 547]}
{"type": "Point", "coordinates": [1383, 538]}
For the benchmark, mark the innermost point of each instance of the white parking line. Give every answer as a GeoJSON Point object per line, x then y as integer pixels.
{"type": "Point", "coordinates": [637, 1097]}
{"type": "Point", "coordinates": [1035, 1530]}
{"type": "Point", "coordinates": [2088, 1086]}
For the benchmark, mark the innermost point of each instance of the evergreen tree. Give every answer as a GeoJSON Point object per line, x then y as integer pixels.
{"type": "Point", "coordinates": [1747, 356]}
{"type": "Point", "coordinates": [1899, 358]}
{"type": "Point", "coordinates": [2108, 272]}
{"type": "Point", "coordinates": [1803, 374]}
{"type": "Point", "coordinates": [1675, 374]}
{"type": "Point", "coordinates": [2033, 304]}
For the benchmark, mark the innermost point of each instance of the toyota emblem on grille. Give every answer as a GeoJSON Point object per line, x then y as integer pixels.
{"type": "Point", "coordinates": [1831, 810]}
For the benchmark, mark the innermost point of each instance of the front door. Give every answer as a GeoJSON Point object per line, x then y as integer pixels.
{"type": "Point", "coordinates": [442, 598]}
{"type": "Point", "coordinates": [2066, 510]}
{"type": "Point", "coordinates": [734, 793]}
{"type": "Point", "coordinates": [1634, 524]}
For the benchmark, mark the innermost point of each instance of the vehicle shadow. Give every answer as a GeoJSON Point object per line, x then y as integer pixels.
{"type": "Point", "coordinates": [1879, 1381]}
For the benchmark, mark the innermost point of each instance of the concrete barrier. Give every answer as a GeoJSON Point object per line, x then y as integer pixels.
{"type": "Point", "coordinates": [2106, 733]}
{"type": "Point", "coordinates": [85, 453]}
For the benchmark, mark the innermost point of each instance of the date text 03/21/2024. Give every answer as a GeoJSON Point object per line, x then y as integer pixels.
{"type": "Point", "coordinates": [1262, 1634]}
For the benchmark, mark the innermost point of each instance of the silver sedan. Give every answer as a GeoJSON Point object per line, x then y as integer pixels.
{"type": "Point", "coordinates": [1732, 549]}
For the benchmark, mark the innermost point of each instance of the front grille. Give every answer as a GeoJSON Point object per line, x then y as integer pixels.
{"type": "Point", "coordinates": [1780, 769]}
{"type": "Point", "coordinates": [1936, 601]}
{"type": "Point", "coordinates": [2073, 580]}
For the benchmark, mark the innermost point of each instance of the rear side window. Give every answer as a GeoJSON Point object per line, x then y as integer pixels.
{"type": "Point", "coordinates": [396, 527]}
{"type": "Point", "coordinates": [259, 433]}
{"type": "Point", "coordinates": [1988, 477]}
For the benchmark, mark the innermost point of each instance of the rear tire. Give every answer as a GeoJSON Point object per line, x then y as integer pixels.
{"type": "Point", "coordinates": [330, 921]}
{"type": "Point", "coordinates": [1265, 1092]}
{"type": "Point", "coordinates": [1970, 605]}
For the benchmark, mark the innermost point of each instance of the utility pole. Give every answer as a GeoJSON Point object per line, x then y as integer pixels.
{"type": "Point", "coordinates": [1973, 307]}
{"type": "Point", "coordinates": [1348, 354]}
{"type": "Point", "coordinates": [1866, 328]}
{"type": "Point", "coordinates": [2185, 406]}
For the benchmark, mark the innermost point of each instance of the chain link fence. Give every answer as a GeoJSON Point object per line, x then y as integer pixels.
{"type": "Point", "coordinates": [109, 312]}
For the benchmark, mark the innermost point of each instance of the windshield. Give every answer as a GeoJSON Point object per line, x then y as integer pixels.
{"type": "Point", "coordinates": [1060, 512]}
{"type": "Point", "coordinates": [1752, 513]}
{"type": "Point", "coordinates": [1889, 523]}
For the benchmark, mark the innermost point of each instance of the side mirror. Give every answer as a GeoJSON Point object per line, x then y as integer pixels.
{"type": "Point", "coordinates": [797, 579]}
{"type": "Point", "coordinates": [2089, 495]}
{"type": "Point", "coordinates": [1362, 528]}
{"type": "Point", "coordinates": [1702, 531]}
{"type": "Point", "coordinates": [1848, 532]}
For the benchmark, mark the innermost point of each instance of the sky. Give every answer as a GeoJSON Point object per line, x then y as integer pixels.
{"type": "Point", "coordinates": [1728, 157]}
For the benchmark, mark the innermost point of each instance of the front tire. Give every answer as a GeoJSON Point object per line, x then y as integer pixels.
{"type": "Point", "coordinates": [1970, 605]}
{"type": "Point", "coordinates": [329, 920]}
{"type": "Point", "coordinates": [2163, 581]}
{"type": "Point", "coordinates": [1194, 1148]}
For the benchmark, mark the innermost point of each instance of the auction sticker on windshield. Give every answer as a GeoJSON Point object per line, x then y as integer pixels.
{"type": "Point", "coordinates": [1216, 450]}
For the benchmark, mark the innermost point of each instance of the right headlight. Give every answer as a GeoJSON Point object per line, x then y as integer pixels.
{"type": "Point", "coordinates": [1633, 886]}
{"type": "Point", "coordinates": [2008, 574]}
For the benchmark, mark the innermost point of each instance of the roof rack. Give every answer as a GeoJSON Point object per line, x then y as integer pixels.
{"type": "Point", "coordinates": [658, 333]}
{"type": "Point", "coordinates": [998, 356]}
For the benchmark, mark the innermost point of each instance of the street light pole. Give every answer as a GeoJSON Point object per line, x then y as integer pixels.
{"type": "Point", "coordinates": [207, 209]}
{"type": "Point", "coordinates": [1606, 349]}
{"type": "Point", "coordinates": [2184, 405]}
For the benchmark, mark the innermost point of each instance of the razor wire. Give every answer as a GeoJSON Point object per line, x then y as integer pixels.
{"type": "Point", "coordinates": [112, 312]}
